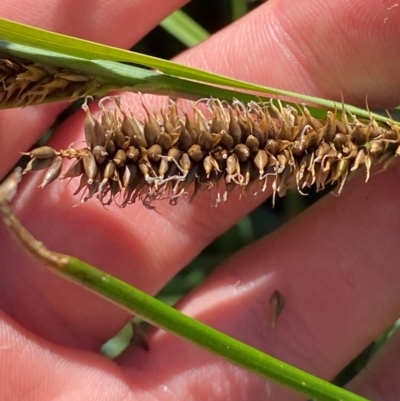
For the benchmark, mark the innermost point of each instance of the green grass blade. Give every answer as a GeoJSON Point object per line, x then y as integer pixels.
{"type": "Point", "coordinates": [163, 316]}
{"type": "Point", "coordinates": [41, 39]}
{"type": "Point", "coordinates": [184, 28]}
{"type": "Point", "coordinates": [167, 318]}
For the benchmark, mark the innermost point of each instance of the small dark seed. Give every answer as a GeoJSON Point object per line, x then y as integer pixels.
{"type": "Point", "coordinates": [132, 153]}
{"type": "Point", "coordinates": [206, 141]}
{"type": "Point", "coordinates": [90, 167]}
{"type": "Point", "coordinates": [43, 152]}
{"type": "Point", "coordinates": [252, 143]}
{"type": "Point", "coordinates": [53, 172]}
{"type": "Point", "coordinates": [165, 141]}
{"type": "Point", "coordinates": [109, 170]}
{"type": "Point", "coordinates": [154, 152]}
{"type": "Point", "coordinates": [242, 152]}
{"type": "Point", "coordinates": [74, 170]}
{"type": "Point", "coordinates": [100, 154]}
{"type": "Point", "coordinates": [185, 162]}
{"type": "Point", "coordinates": [120, 158]}
{"type": "Point", "coordinates": [261, 160]}
{"type": "Point", "coordinates": [196, 153]}
{"type": "Point", "coordinates": [151, 130]}
{"type": "Point", "coordinates": [37, 164]}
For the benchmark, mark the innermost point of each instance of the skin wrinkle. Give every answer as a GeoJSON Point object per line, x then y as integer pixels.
{"type": "Point", "coordinates": [351, 29]}
{"type": "Point", "coordinates": [96, 371]}
{"type": "Point", "coordinates": [298, 56]}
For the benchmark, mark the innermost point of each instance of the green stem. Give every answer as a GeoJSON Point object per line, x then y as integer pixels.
{"type": "Point", "coordinates": [169, 319]}
{"type": "Point", "coordinates": [164, 316]}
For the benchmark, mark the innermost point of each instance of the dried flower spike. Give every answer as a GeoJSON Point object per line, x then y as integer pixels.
{"type": "Point", "coordinates": [245, 146]}
{"type": "Point", "coordinates": [24, 82]}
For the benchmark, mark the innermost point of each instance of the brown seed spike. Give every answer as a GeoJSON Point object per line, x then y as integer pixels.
{"type": "Point", "coordinates": [109, 170]}
{"type": "Point", "coordinates": [154, 152]}
{"type": "Point", "coordinates": [226, 141]}
{"type": "Point", "coordinates": [134, 130]}
{"type": "Point", "coordinates": [163, 168]}
{"type": "Point", "coordinates": [210, 164]}
{"type": "Point", "coordinates": [235, 147]}
{"type": "Point", "coordinates": [185, 139]}
{"type": "Point", "coordinates": [110, 147]}
{"type": "Point", "coordinates": [191, 129]}
{"type": "Point", "coordinates": [231, 167]}
{"type": "Point", "coordinates": [168, 125]}
{"type": "Point", "coordinates": [185, 162]}
{"type": "Point", "coordinates": [218, 124]}
{"type": "Point", "coordinates": [130, 174]}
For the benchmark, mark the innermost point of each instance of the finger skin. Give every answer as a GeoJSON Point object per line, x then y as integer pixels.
{"type": "Point", "coordinates": [182, 232]}
{"type": "Point", "coordinates": [33, 369]}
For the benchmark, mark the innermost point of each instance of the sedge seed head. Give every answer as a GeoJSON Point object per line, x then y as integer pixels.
{"type": "Point", "coordinates": [169, 155]}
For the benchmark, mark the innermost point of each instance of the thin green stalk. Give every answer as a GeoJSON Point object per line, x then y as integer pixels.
{"type": "Point", "coordinates": [171, 320]}
{"type": "Point", "coordinates": [166, 317]}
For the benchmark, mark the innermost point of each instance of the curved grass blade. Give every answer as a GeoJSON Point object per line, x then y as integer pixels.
{"type": "Point", "coordinates": [165, 317]}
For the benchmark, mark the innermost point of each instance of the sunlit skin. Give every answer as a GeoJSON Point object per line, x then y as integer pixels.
{"type": "Point", "coordinates": [336, 265]}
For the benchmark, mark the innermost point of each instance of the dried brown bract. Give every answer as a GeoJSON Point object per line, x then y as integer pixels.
{"type": "Point", "coordinates": [23, 82]}
{"type": "Point", "coordinates": [168, 154]}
